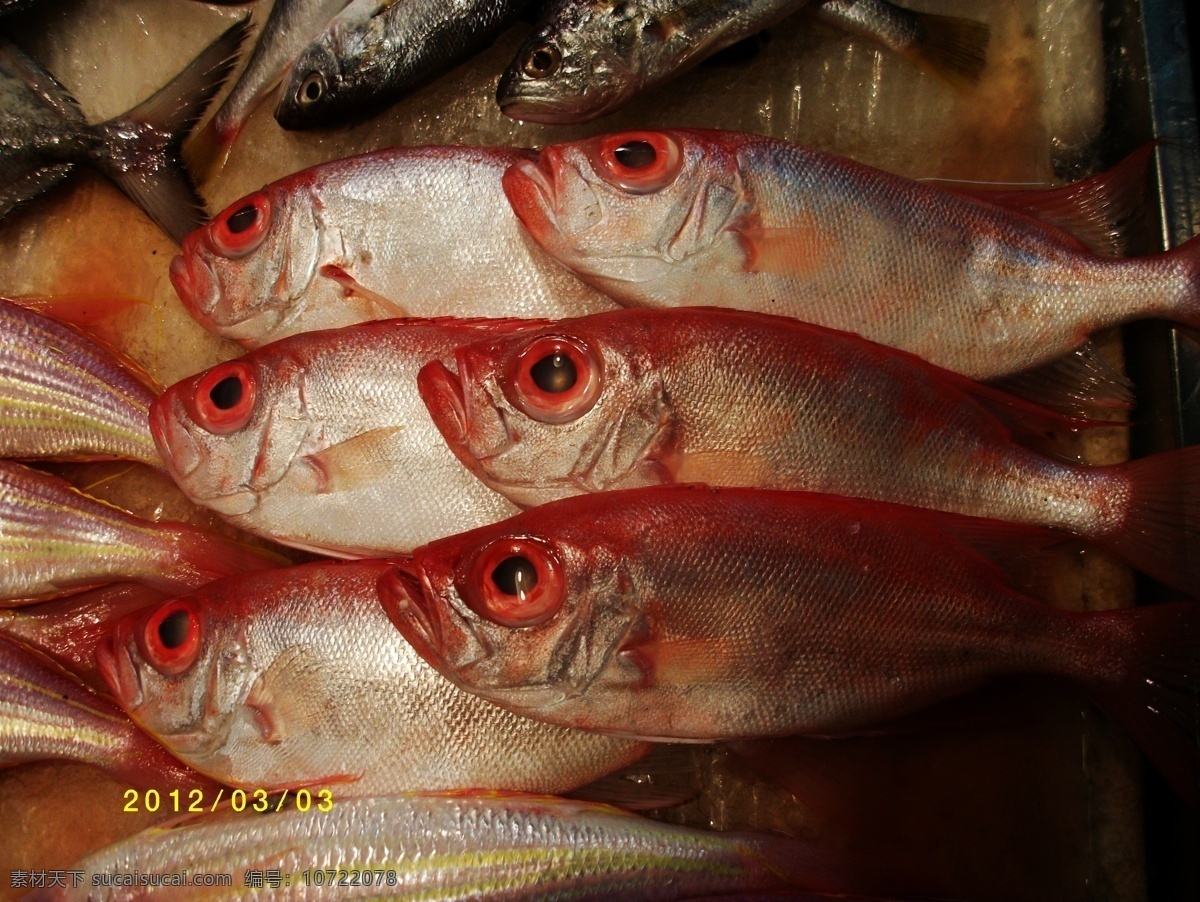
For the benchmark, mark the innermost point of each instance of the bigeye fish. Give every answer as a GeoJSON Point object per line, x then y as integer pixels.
{"type": "Point", "coordinates": [672, 218]}
{"type": "Point", "coordinates": [588, 58]}
{"type": "Point", "coordinates": [62, 396]}
{"type": "Point", "coordinates": [44, 135]}
{"type": "Point", "coordinates": [376, 51]}
{"type": "Point", "coordinates": [296, 678]}
{"type": "Point", "coordinates": [321, 441]}
{"type": "Point", "coordinates": [467, 845]}
{"type": "Point", "coordinates": [55, 539]}
{"type": "Point", "coordinates": [689, 613]}
{"type": "Point", "coordinates": [421, 231]}
{"type": "Point", "coordinates": [47, 716]}
{"type": "Point", "coordinates": [288, 29]}
{"type": "Point", "coordinates": [643, 397]}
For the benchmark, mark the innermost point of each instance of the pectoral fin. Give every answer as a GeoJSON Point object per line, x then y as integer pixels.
{"type": "Point", "coordinates": [288, 698]}
{"type": "Point", "coordinates": [355, 462]}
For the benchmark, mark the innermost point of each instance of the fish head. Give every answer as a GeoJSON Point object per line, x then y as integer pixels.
{"type": "Point", "coordinates": [178, 668]}
{"type": "Point", "coordinates": [231, 433]}
{"type": "Point", "coordinates": [561, 410]}
{"type": "Point", "coordinates": [522, 615]}
{"type": "Point", "coordinates": [244, 274]}
{"type": "Point", "coordinates": [633, 209]}
{"type": "Point", "coordinates": [310, 94]}
{"type": "Point", "coordinates": [585, 61]}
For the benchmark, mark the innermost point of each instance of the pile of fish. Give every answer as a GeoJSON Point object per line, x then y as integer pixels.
{"type": "Point", "coordinates": [664, 436]}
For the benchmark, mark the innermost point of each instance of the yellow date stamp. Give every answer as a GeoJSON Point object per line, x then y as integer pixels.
{"type": "Point", "coordinates": [196, 801]}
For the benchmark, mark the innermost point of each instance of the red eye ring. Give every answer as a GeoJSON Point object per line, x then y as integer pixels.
{"type": "Point", "coordinates": [170, 639]}
{"type": "Point", "coordinates": [639, 162]}
{"type": "Point", "coordinates": [515, 582]}
{"type": "Point", "coordinates": [223, 400]}
{"type": "Point", "coordinates": [555, 379]}
{"type": "Point", "coordinates": [240, 228]}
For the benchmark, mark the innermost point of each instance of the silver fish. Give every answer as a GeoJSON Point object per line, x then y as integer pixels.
{"type": "Point", "coordinates": [376, 51]}
{"type": "Point", "coordinates": [296, 678]}
{"type": "Point", "coordinates": [63, 396]}
{"type": "Point", "coordinates": [54, 539]}
{"type": "Point", "coordinates": [44, 135]}
{"type": "Point", "coordinates": [411, 231]}
{"type": "Point", "coordinates": [457, 847]}
{"type": "Point", "coordinates": [321, 441]}
{"type": "Point", "coordinates": [588, 58]}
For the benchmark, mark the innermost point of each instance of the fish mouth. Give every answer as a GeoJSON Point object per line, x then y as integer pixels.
{"type": "Point", "coordinates": [175, 445]}
{"type": "Point", "coordinates": [195, 282]}
{"type": "Point", "coordinates": [442, 392]}
{"type": "Point", "coordinates": [115, 663]}
{"type": "Point", "coordinates": [531, 193]}
{"type": "Point", "coordinates": [402, 592]}
{"type": "Point", "coordinates": [544, 110]}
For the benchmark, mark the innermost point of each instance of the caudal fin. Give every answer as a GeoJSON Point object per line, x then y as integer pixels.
{"type": "Point", "coordinates": [1155, 695]}
{"type": "Point", "coordinates": [148, 166]}
{"type": "Point", "coordinates": [953, 48]}
{"type": "Point", "coordinates": [1161, 532]}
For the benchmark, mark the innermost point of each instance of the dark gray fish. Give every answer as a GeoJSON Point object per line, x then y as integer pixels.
{"type": "Point", "coordinates": [44, 135]}
{"type": "Point", "coordinates": [588, 58]}
{"type": "Point", "coordinates": [377, 50]}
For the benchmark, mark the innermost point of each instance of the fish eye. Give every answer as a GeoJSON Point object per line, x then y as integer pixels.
{"type": "Point", "coordinates": [312, 88]}
{"type": "Point", "coordinates": [554, 373]}
{"type": "Point", "coordinates": [515, 582]}
{"type": "Point", "coordinates": [240, 228]}
{"type": "Point", "coordinates": [542, 61]}
{"type": "Point", "coordinates": [223, 399]}
{"type": "Point", "coordinates": [170, 640]}
{"type": "Point", "coordinates": [555, 379]}
{"type": "Point", "coordinates": [638, 162]}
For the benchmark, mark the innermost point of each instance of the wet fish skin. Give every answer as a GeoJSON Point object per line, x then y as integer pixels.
{"type": "Point", "coordinates": [298, 679]}
{"type": "Point", "coordinates": [56, 540]}
{"type": "Point", "coordinates": [470, 846]}
{"type": "Point", "coordinates": [373, 53]}
{"type": "Point", "coordinates": [45, 716]}
{"type": "Point", "coordinates": [738, 220]}
{"type": "Point", "coordinates": [589, 58]}
{"type": "Point", "coordinates": [62, 396]}
{"type": "Point", "coordinates": [696, 614]}
{"type": "Point", "coordinates": [291, 25]}
{"type": "Point", "coordinates": [732, 398]}
{"type": "Point", "coordinates": [335, 452]}
{"type": "Point", "coordinates": [421, 231]}
{"type": "Point", "coordinates": [45, 135]}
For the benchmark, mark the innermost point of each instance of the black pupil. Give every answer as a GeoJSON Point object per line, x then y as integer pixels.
{"type": "Point", "coordinates": [173, 630]}
{"type": "Point", "coordinates": [554, 373]}
{"type": "Point", "coordinates": [227, 393]}
{"type": "Point", "coordinates": [515, 575]}
{"type": "Point", "coordinates": [636, 154]}
{"type": "Point", "coordinates": [312, 88]}
{"type": "Point", "coordinates": [242, 219]}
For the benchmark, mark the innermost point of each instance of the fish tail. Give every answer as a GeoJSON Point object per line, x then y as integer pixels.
{"type": "Point", "coordinates": [194, 557]}
{"type": "Point", "coordinates": [1160, 534]}
{"type": "Point", "coordinates": [950, 47]}
{"type": "Point", "coordinates": [1150, 683]}
{"type": "Point", "coordinates": [1183, 263]}
{"type": "Point", "coordinates": [208, 149]}
{"type": "Point", "coordinates": [150, 170]}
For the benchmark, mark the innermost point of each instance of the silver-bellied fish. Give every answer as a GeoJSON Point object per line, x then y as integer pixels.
{"type": "Point", "coordinates": [375, 51]}
{"type": "Point", "coordinates": [44, 135]}
{"type": "Point", "coordinates": [54, 539]}
{"type": "Point", "coordinates": [692, 613]}
{"type": "Point", "coordinates": [62, 396]}
{"type": "Point", "coordinates": [588, 58]}
{"type": "Point", "coordinates": [467, 845]}
{"type": "Point", "coordinates": [296, 678]}
{"type": "Point", "coordinates": [321, 441]}
{"type": "Point", "coordinates": [680, 217]}
{"type": "Point", "coordinates": [411, 231]}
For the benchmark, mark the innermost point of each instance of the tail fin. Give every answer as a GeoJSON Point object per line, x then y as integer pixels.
{"type": "Point", "coordinates": [1161, 532]}
{"type": "Point", "coordinates": [198, 557]}
{"type": "Point", "coordinates": [148, 167]}
{"type": "Point", "coordinates": [952, 48]}
{"type": "Point", "coordinates": [1156, 694]}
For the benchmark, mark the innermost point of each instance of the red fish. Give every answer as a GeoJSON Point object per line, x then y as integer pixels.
{"type": "Point", "coordinates": [697, 614]}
